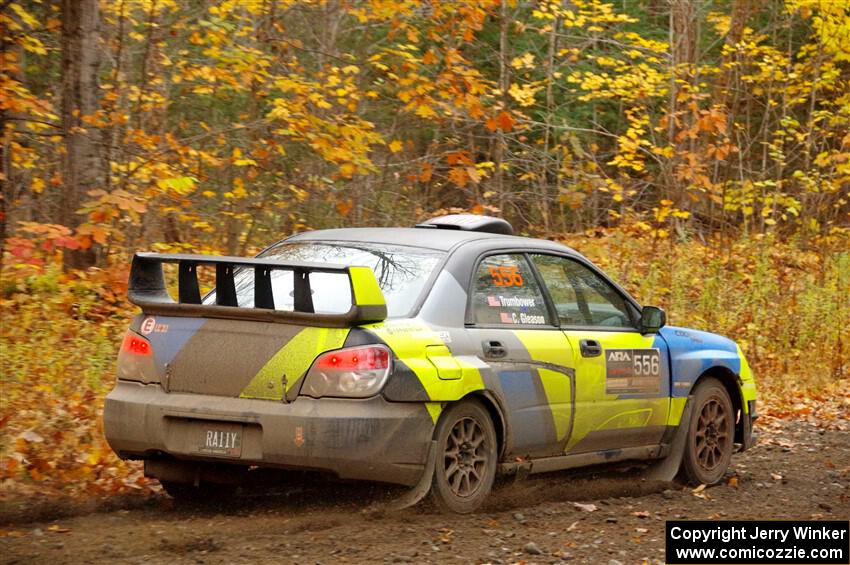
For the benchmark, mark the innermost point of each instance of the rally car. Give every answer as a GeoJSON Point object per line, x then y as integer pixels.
{"type": "Point", "coordinates": [436, 356]}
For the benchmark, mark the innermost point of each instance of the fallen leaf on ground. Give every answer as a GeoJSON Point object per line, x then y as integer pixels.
{"type": "Point", "coordinates": [699, 492]}
{"type": "Point", "coordinates": [585, 507]}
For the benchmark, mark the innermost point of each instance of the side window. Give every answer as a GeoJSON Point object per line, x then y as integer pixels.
{"type": "Point", "coordinates": [581, 297]}
{"type": "Point", "coordinates": [506, 293]}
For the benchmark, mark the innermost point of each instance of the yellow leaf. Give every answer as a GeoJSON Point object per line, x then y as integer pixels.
{"type": "Point", "coordinates": [524, 94]}
{"type": "Point", "coordinates": [425, 111]}
{"type": "Point", "coordinates": [396, 146]}
{"type": "Point", "coordinates": [180, 185]}
{"type": "Point", "coordinates": [239, 188]}
{"type": "Point", "coordinates": [24, 15]}
{"type": "Point", "coordinates": [524, 62]}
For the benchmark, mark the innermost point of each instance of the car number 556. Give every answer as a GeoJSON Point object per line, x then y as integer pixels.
{"type": "Point", "coordinates": [646, 364]}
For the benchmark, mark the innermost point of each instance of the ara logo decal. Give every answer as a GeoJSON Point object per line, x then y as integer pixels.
{"type": "Point", "coordinates": [619, 355]}
{"type": "Point", "coordinates": [149, 326]}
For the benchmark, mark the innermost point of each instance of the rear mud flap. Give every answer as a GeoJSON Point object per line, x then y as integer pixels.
{"type": "Point", "coordinates": [666, 469]}
{"type": "Point", "coordinates": [418, 492]}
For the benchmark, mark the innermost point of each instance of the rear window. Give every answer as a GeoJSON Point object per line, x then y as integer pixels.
{"type": "Point", "coordinates": [401, 272]}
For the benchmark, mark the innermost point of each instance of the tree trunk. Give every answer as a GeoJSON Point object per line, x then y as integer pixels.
{"type": "Point", "coordinates": [82, 167]}
{"type": "Point", "coordinates": [684, 49]}
{"type": "Point", "coordinates": [504, 85]}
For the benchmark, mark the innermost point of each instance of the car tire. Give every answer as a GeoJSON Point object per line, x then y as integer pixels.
{"type": "Point", "coordinates": [204, 494]}
{"type": "Point", "coordinates": [467, 457]}
{"type": "Point", "coordinates": [711, 434]}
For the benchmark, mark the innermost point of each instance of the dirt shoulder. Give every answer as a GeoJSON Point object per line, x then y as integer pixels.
{"type": "Point", "coordinates": [797, 471]}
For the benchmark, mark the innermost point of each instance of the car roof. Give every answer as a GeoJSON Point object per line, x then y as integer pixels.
{"type": "Point", "coordinates": [431, 238]}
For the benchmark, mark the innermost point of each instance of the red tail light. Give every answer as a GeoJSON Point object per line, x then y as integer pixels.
{"type": "Point", "coordinates": [355, 359]}
{"type": "Point", "coordinates": [136, 344]}
{"type": "Point", "coordinates": [136, 360]}
{"type": "Point", "coordinates": [355, 372]}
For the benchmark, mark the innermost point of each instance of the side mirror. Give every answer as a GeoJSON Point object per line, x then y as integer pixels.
{"type": "Point", "coordinates": [652, 319]}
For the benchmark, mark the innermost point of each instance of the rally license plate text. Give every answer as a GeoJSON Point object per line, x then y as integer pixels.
{"type": "Point", "coordinates": [221, 439]}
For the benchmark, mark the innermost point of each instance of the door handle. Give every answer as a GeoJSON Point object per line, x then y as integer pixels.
{"type": "Point", "coordinates": [590, 348]}
{"type": "Point", "coordinates": [494, 349]}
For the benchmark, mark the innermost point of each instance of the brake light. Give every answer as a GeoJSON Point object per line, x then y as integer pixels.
{"type": "Point", "coordinates": [136, 360]}
{"type": "Point", "coordinates": [135, 344]}
{"type": "Point", "coordinates": [355, 372]}
{"type": "Point", "coordinates": [355, 359]}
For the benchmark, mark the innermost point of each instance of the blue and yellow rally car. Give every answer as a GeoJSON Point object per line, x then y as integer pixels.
{"type": "Point", "coordinates": [433, 357]}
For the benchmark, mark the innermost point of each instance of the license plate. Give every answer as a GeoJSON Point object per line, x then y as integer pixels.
{"type": "Point", "coordinates": [224, 440]}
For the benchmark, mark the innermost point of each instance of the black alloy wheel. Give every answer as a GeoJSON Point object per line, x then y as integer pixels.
{"type": "Point", "coordinates": [467, 457]}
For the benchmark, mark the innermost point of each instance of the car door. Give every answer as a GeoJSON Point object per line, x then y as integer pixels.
{"type": "Point", "coordinates": [529, 357]}
{"type": "Point", "coordinates": [622, 377]}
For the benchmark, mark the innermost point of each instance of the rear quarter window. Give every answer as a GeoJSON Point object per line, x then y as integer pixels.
{"type": "Point", "coordinates": [505, 293]}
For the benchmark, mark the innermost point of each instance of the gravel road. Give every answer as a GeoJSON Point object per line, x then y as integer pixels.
{"type": "Point", "coordinates": [604, 515]}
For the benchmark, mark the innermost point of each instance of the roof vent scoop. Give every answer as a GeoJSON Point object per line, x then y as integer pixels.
{"type": "Point", "coordinates": [469, 222]}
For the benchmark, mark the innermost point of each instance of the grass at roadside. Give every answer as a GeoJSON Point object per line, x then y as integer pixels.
{"type": "Point", "coordinates": [788, 307]}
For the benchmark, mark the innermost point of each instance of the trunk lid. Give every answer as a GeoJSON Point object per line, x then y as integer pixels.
{"type": "Point", "coordinates": [235, 358]}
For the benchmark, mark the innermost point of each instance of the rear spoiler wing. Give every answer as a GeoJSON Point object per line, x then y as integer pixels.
{"type": "Point", "coordinates": [147, 290]}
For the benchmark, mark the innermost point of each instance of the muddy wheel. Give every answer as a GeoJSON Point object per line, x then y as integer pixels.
{"type": "Point", "coordinates": [466, 458]}
{"type": "Point", "coordinates": [711, 434]}
{"type": "Point", "coordinates": [203, 495]}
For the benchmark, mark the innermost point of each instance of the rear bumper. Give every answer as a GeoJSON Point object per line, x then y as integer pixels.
{"type": "Point", "coordinates": [370, 439]}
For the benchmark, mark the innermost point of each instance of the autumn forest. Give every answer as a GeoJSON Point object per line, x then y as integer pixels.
{"type": "Point", "coordinates": [698, 151]}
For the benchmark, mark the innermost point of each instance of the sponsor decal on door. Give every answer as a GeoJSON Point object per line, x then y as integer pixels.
{"type": "Point", "coordinates": [632, 371]}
